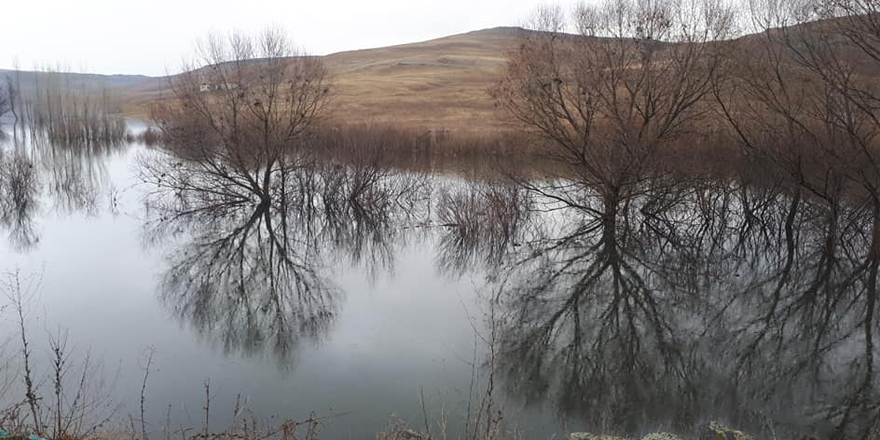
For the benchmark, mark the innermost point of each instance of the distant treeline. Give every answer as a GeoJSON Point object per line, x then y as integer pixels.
{"type": "Point", "coordinates": [63, 108]}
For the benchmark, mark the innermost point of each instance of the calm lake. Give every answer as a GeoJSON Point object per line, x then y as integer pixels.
{"type": "Point", "coordinates": [374, 293]}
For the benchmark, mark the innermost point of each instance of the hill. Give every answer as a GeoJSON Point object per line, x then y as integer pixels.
{"type": "Point", "coordinates": [28, 79]}
{"type": "Point", "coordinates": [453, 74]}
{"type": "Point", "coordinates": [434, 84]}
{"type": "Point", "coordinates": [441, 83]}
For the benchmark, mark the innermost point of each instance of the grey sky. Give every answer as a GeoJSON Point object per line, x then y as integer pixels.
{"type": "Point", "coordinates": [151, 37]}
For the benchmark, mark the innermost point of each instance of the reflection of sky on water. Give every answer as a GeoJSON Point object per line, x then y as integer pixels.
{"type": "Point", "coordinates": [686, 308]}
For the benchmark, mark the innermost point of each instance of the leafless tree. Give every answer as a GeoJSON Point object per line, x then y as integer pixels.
{"type": "Point", "coordinates": [7, 102]}
{"type": "Point", "coordinates": [11, 94]}
{"type": "Point", "coordinates": [804, 97]}
{"type": "Point", "coordinates": [548, 17]}
{"type": "Point", "coordinates": [67, 110]}
{"type": "Point", "coordinates": [633, 79]}
{"type": "Point", "coordinates": [77, 405]}
{"type": "Point", "coordinates": [242, 109]}
{"type": "Point", "coordinates": [791, 99]}
{"type": "Point", "coordinates": [6, 98]}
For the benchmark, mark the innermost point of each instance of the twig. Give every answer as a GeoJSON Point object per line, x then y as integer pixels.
{"type": "Point", "coordinates": [425, 412]}
{"type": "Point", "coordinates": [150, 351]}
{"type": "Point", "coordinates": [207, 405]}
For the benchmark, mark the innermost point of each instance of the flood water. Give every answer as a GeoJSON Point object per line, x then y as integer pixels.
{"type": "Point", "coordinates": [371, 293]}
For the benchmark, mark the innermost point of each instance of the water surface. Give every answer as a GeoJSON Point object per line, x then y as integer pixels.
{"type": "Point", "coordinates": [658, 305]}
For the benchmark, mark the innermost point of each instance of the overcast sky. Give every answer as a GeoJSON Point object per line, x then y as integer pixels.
{"type": "Point", "coordinates": [152, 37]}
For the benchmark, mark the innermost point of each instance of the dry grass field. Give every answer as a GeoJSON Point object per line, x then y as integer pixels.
{"type": "Point", "coordinates": [432, 85]}
{"type": "Point", "coordinates": [439, 84]}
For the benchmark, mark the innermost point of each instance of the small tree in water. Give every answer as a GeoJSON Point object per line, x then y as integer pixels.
{"type": "Point", "coordinates": [630, 80]}
{"type": "Point", "coordinates": [240, 114]}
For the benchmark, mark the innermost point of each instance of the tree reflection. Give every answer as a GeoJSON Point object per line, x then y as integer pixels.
{"type": "Point", "coordinates": [487, 222]}
{"type": "Point", "coordinates": [69, 178]}
{"type": "Point", "coordinates": [76, 175]}
{"type": "Point", "coordinates": [811, 314]}
{"type": "Point", "coordinates": [242, 280]}
{"type": "Point", "coordinates": [19, 186]}
{"type": "Point", "coordinates": [249, 273]}
{"type": "Point", "coordinates": [670, 302]}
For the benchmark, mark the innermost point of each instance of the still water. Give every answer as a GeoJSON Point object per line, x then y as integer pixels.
{"type": "Point", "coordinates": [626, 309]}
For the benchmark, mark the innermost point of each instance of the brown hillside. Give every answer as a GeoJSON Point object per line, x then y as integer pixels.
{"type": "Point", "coordinates": [434, 84]}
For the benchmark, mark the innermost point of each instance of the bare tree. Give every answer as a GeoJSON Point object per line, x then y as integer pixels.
{"type": "Point", "coordinates": [547, 17]}
{"type": "Point", "coordinates": [242, 110]}
{"type": "Point", "coordinates": [633, 79]}
{"type": "Point", "coordinates": [6, 105]}
{"type": "Point", "coordinates": [13, 90]}
{"type": "Point", "coordinates": [800, 96]}
{"type": "Point", "coordinates": [844, 55]}
{"type": "Point", "coordinates": [67, 110]}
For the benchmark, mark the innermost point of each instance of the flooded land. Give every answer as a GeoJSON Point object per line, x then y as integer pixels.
{"type": "Point", "coordinates": [631, 220]}
{"type": "Point", "coordinates": [364, 291]}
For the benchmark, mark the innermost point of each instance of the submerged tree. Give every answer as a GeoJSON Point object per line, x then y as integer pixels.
{"type": "Point", "coordinates": [258, 214]}
{"type": "Point", "coordinates": [241, 112]}
{"type": "Point", "coordinates": [5, 100]}
{"type": "Point", "coordinates": [66, 109]}
{"type": "Point", "coordinates": [632, 80]}
{"type": "Point", "coordinates": [804, 97]}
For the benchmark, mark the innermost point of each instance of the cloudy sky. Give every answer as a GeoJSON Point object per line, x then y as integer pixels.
{"type": "Point", "coordinates": [152, 37]}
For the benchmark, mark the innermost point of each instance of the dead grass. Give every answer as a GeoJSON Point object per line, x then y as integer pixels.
{"type": "Point", "coordinates": [431, 85]}
{"type": "Point", "coordinates": [435, 84]}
